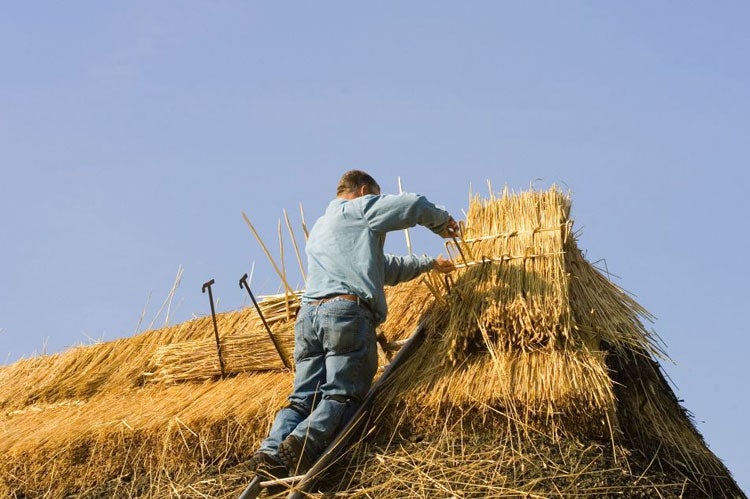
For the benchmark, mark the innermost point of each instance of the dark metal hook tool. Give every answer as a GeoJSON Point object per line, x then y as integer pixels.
{"type": "Point", "coordinates": [244, 284]}
{"type": "Point", "coordinates": [216, 328]}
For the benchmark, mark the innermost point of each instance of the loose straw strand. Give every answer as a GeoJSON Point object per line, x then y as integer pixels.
{"type": "Point", "coordinates": [268, 254]}
{"type": "Point", "coordinates": [296, 248]}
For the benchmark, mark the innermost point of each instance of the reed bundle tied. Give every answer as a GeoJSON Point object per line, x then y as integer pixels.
{"type": "Point", "coordinates": [241, 352]}
{"type": "Point", "coordinates": [513, 282]}
{"type": "Point", "coordinates": [503, 333]}
{"type": "Point", "coordinates": [244, 345]}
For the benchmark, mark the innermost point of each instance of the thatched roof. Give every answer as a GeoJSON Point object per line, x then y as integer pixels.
{"type": "Point", "coordinates": [537, 378]}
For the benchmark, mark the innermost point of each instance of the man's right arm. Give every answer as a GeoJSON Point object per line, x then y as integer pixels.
{"type": "Point", "coordinates": [394, 212]}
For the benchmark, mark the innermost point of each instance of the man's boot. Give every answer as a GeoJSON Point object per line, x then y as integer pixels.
{"type": "Point", "coordinates": [292, 454]}
{"type": "Point", "coordinates": [266, 466]}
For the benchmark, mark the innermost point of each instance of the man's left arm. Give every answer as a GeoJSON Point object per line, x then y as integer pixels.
{"type": "Point", "coordinates": [405, 268]}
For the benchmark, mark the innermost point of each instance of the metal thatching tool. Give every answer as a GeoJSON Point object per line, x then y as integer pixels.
{"type": "Point", "coordinates": [383, 342]}
{"type": "Point", "coordinates": [244, 284]}
{"type": "Point", "coordinates": [466, 264]}
{"type": "Point", "coordinates": [216, 328]}
{"type": "Point", "coordinates": [389, 348]}
{"type": "Point", "coordinates": [459, 233]}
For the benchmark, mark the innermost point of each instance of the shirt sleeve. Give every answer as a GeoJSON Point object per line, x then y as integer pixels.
{"type": "Point", "coordinates": [405, 268]}
{"type": "Point", "coordinates": [389, 212]}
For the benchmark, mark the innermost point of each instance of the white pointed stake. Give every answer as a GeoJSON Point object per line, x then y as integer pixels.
{"type": "Point", "coordinates": [296, 248]}
{"type": "Point", "coordinates": [406, 231]}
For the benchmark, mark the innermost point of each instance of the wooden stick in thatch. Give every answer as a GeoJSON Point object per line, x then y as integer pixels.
{"type": "Point", "coordinates": [296, 248]}
{"type": "Point", "coordinates": [283, 270]}
{"type": "Point", "coordinates": [168, 300]}
{"type": "Point", "coordinates": [433, 289]}
{"type": "Point", "coordinates": [406, 231]}
{"type": "Point", "coordinates": [268, 254]}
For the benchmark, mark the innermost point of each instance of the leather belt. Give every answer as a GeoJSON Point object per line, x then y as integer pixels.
{"type": "Point", "coordinates": [353, 298]}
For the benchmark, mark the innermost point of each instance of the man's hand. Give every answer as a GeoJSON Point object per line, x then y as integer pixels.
{"type": "Point", "coordinates": [451, 230]}
{"type": "Point", "coordinates": [443, 265]}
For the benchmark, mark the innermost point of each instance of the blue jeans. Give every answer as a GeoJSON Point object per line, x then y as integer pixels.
{"type": "Point", "coordinates": [335, 352]}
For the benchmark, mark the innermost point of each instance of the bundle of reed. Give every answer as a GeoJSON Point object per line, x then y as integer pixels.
{"type": "Point", "coordinates": [564, 388]}
{"type": "Point", "coordinates": [407, 304]}
{"type": "Point", "coordinates": [513, 281]}
{"type": "Point", "coordinates": [546, 383]}
{"type": "Point", "coordinates": [240, 351]}
{"type": "Point", "coordinates": [503, 333]}
{"type": "Point", "coordinates": [250, 348]}
{"type": "Point", "coordinates": [245, 344]}
{"type": "Point", "coordinates": [280, 307]}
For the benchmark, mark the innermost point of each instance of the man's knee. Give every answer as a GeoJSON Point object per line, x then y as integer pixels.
{"type": "Point", "coordinates": [348, 407]}
{"type": "Point", "coordinates": [342, 399]}
{"type": "Point", "coordinates": [351, 404]}
{"type": "Point", "coordinates": [300, 409]}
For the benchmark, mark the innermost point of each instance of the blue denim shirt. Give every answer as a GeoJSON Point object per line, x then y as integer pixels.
{"type": "Point", "coordinates": [345, 247]}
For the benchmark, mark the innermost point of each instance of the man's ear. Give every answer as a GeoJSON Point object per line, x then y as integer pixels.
{"type": "Point", "coordinates": [363, 189]}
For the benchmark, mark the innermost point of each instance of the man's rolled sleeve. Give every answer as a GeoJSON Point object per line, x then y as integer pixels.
{"type": "Point", "coordinates": [394, 212]}
{"type": "Point", "coordinates": [405, 268]}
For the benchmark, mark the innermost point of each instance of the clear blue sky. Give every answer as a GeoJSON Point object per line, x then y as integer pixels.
{"type": "Point", "coordinates": [133, 135]}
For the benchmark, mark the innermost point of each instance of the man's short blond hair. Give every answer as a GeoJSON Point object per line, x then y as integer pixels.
{"type": "Point", "coordinates": [353, 180]}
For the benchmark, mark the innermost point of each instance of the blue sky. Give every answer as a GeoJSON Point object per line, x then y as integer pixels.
{"type": "Point", "coordinates": [133, 135]}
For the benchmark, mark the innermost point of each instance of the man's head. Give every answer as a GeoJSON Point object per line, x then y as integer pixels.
{"type": "Point", "coordinates": [356, 183]}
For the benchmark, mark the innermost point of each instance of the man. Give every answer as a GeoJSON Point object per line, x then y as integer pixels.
{"type": "Point", "coordinates": [335, 345]}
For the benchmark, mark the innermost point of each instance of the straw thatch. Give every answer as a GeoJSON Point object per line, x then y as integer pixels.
{"type": "Point", "coordinates": [537, 378]}
{"type": "Point", "coordinates": [247, 347]}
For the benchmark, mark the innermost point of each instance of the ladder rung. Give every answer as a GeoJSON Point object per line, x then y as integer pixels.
{"type": "Point", "coordinates": [290, 480]}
